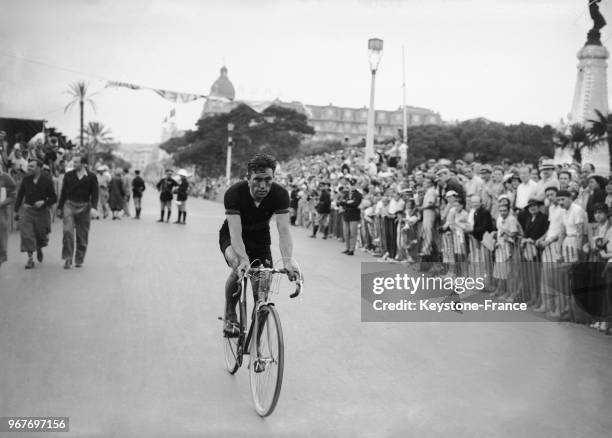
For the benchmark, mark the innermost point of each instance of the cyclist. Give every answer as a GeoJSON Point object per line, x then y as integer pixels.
{"type": "Point", "coordinates": [244, 237]}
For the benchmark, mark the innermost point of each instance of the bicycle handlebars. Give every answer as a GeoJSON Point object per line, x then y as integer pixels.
{"type": "Point", "coordinates": [298, 281]}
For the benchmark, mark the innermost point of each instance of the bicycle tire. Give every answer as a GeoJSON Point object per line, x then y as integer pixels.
{"type": "Point", "coordinates": [265, 391]}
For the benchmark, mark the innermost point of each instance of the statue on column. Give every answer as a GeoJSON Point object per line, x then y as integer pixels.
{"type": "Point", "coordinates": [594, 35]}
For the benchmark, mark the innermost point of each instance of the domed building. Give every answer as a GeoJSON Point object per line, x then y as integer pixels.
{"type": "Point", "coordinates": [331, 123]}
{"type": "Point", "coordinates": [221, 96]}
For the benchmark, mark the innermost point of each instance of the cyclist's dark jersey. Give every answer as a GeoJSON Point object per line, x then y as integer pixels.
{"type": "Point", "coordinates": [255, 220]}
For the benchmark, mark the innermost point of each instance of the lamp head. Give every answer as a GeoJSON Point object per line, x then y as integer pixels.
{"type": "Point", "coordinates": [375, 48]}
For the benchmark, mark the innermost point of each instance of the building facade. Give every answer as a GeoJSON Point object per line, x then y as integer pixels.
{"type": "Point", "coordinates": [333, 123]}
{"type": "Point", "coordinates": [330, 122]}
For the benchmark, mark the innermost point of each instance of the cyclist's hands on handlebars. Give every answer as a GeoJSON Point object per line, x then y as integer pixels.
{"type": "Point", "coordinates": [243, 267]}
{"type": "Point", "coordinates": [292, 272]}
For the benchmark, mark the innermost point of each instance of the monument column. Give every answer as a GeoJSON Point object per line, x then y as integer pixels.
{"type": "Point", "coordinates": [591, 92]}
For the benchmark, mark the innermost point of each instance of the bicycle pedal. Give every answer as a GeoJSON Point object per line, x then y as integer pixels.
{"type": "Point", "coordinates": [259, 366]}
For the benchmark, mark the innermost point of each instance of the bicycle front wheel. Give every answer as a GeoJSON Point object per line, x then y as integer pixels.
{"type": "Point", "coordinates": [266, 361]}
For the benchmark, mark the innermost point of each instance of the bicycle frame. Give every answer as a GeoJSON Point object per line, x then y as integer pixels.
{"type": "Point", "coordinates": [244, 339]}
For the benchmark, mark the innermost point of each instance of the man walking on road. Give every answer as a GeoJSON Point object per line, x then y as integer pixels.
{"type": "Point", "coordinates": [165, 186]}
{"type": "Point", "coordinates": [138, 188]}
{"type": "Point", "coordinates": [76, 206]}
{"type": "Point", "coordinates": [37, 193]}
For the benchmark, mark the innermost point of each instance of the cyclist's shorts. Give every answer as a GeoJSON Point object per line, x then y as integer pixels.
{"type": "Point", "coordinates": [261, 253]}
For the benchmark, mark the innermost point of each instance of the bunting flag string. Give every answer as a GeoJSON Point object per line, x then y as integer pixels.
{"type": "Point", "coordinates": [172, 96]}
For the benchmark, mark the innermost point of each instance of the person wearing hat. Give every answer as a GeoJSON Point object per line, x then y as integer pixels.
{"type": "Point", "coordinates": [138, 188]}
{"type": "Point", "coordinates": [165, 187]}
{"type": "Point", "coordinates": [116, 193]}
{"type": "Point", "coordinates": [509, 190]}
{"type": "Point", "coordinates": [547, 179]}
{"type": "Point", "coordinates": [535, 224]}
{"type": "Point", "coordinates": [181, 197]}
{"type": "Point", "coordinates": [351, 216]}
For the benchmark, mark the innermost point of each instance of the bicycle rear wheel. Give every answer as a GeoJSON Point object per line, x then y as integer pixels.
{"type": "Point", "coordinates": [266, 361]}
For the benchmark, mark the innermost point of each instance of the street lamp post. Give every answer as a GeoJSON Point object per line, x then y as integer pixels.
{"type": "Point", "coordinates": [228, 165]}
{"type": "Point", "coordinates": [375, 47]}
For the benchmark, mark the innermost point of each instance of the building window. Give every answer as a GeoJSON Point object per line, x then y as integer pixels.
{"type": "Point", "coordinates": [330, 113]}
{"type": "Point", "coordinates": [416, 118]}
{"type": "Point", "coordinates": [381, 117]}
{"type": "Point", "coordinates": [348, 114]}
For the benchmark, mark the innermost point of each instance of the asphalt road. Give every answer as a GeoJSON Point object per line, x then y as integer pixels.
{"type": "Point", "coordinates": [130, 346]}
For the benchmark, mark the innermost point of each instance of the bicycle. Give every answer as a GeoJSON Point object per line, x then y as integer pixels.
{"type": "Point", "coordinates": [266, 349]}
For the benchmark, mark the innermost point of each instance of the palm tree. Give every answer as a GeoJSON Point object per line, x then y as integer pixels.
{"type": "Point", "coordinates": [574, 140]}
{"type": "Point", "coordinates": [79, 93]}
{"type": "Point", "coordinates": [601, 131]}
{"type": "Point", "coordinates": [99, 139]}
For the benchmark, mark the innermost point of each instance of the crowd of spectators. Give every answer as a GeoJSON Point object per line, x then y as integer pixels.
{"type": "Point", "coordinates": [540, 233]}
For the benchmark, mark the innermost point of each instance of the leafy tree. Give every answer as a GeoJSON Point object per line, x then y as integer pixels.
{"type": "Point", "coordinates": [574, 140]}
{"type": "Point", "coordinates": [601, 131]}
{"type": "Point", "coordinates": [79, 93]}
{"type": "Point", "coordinates": [99, 140]}
{"type": "Point", "coordinates": [277, 131]}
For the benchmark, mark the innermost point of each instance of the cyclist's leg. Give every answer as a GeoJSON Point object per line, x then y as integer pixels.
{"type": "Point", "coordinates": [231, 284]}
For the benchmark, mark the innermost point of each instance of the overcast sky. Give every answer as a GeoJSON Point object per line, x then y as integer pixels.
{"type": "Point", "coordinates": [506, 60]}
